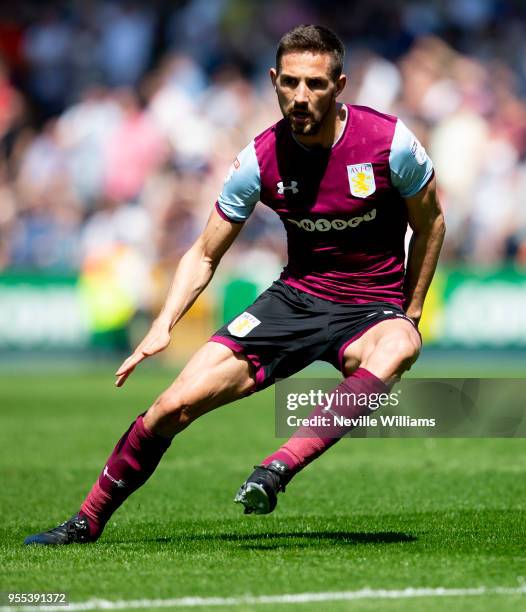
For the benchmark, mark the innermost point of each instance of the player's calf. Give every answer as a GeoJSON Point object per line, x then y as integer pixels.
{"type": "Point", "coordinates": [129, 466]}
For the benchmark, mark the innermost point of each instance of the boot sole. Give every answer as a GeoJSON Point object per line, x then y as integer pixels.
{"type": "Point", "coordinates": [254, 498]}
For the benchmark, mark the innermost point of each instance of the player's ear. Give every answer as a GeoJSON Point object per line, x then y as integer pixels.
{"type": "Point", "coordinates": [273, 76]}
{"type": "Point", "coordinates": [341, 82]}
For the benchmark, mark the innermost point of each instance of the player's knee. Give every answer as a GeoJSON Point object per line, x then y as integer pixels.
{"type": "Point", "coordinates": [401, 348]}
{"type": "Point", "coordinates": [172, 411]}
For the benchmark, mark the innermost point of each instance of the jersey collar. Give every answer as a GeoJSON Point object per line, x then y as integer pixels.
{"type": "Point", "coordinates": [343, 130]}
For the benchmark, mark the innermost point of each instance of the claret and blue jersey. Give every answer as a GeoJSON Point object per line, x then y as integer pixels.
{"type": "Point", "coordinates": [343, 208]}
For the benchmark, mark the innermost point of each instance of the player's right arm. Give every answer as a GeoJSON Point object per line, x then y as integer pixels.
{"type": "Point", "coordinates": [194, 272]}
{"type": "Point", "coordinates": [197, 266]}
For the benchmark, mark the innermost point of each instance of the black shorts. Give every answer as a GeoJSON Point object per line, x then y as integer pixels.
{"type": "Point", "coordinates": [286, 329]}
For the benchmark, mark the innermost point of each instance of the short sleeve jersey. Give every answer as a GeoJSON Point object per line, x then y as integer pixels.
{"type": "Point", "coordinates": [343, 208]}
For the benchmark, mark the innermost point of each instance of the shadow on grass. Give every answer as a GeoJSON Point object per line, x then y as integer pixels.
{"type": "Point", "coordinates": [268, 541]}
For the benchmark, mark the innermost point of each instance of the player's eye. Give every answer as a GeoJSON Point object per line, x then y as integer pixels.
{"type": "Point", "coordinates": [288, 81]}
{"type": "Point", "coordinates": [317, 83]}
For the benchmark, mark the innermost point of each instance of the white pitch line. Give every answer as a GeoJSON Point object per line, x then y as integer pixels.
{"type": "Point", "coordinates": [290, 598]}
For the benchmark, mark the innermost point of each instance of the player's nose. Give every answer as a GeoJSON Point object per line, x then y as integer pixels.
{"type": "Point", "coordinates": [301, 97]}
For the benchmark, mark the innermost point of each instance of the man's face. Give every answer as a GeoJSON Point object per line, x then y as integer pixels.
{"type": "Point", "coordinates": [306, 90]}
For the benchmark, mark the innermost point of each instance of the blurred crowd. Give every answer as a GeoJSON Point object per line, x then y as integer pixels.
{"type": "Point", "coordinates": [119, 119]}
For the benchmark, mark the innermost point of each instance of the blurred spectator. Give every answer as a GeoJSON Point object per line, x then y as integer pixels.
{"type": "Point", "coordinates": [126, 41]}
{"type": "Point", "coordinates": [46, 233]}
{"type": "Point", "coordinates": [84, 130]}
{"type": "Point", "coordinates": [133, 149]}
{"type": "Point", "coordinates": [174, 108]}
{"type": "Point", "coordinates": [47, 46]}
{"type": "Point", "coordinates": [12, 109]}
{"type": "Point", "coordinates": [11, 37]}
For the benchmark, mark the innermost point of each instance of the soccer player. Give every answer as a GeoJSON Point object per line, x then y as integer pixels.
{"type": "Point", "coordinates": [345, 181]}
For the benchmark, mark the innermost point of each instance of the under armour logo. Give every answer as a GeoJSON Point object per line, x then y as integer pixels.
{"type": "Point", "coordinates": [292, 185]}
{"type": "Point", "coordinates": [120, 483]}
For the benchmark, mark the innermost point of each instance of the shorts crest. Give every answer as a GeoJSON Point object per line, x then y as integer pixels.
{"type": "Point", "coordinates": [243, 325]}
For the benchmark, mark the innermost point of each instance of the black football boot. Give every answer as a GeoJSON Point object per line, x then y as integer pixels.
{"type": "Point", "coordinates": [259, 492]}
{"type": "Point", "coordinates": [74, 531]}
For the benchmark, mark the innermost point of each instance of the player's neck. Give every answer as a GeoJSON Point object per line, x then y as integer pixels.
{"type": "Point", "coordinates": [330, 131]}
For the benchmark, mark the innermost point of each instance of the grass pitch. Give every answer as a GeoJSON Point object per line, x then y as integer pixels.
{"type": "Point", "coordinates": [384, 514]}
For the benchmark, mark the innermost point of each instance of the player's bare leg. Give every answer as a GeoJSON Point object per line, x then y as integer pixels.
{"type": "Point", "coordinates": [371, 364]}
{"type": "Point", "coordinates": [387, 350]}
{"type": "Point", "coordinates": [214, 376]}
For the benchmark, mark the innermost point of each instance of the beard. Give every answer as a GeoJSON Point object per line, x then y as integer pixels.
{"type": "Point", "coordinates": [311, 126]}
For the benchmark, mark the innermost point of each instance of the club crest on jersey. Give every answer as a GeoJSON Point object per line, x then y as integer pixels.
{"type": "Point", "coordinates": [361, 180]}
{"type": "Point", "coordinates": [243, 325]}
{"type": "Point", "coordinates": [284, 186]}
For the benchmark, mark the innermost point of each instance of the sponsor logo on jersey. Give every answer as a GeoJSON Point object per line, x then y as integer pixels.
{"type": "Point", "coordinates": [284, 186]}
{"type": "Point", "coordinates": [361, 180]}
{"type": "Point", "coordinates": [243, 325]}
{"type": "Point", "coordinates": [236, 163]}
{"type": "Point", "coordinates": [418, 152]}
{"type": "Point", "coordinates": [324, 225]}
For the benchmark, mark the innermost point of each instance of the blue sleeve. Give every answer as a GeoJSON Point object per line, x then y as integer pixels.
{"type": "Point", "coordinates": [411, 168]}
{"type": "Point", "coordinates": [241, 190]}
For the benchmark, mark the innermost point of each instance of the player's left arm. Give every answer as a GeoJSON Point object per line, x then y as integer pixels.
{"type": "Point", "coordinates": [426, 219]}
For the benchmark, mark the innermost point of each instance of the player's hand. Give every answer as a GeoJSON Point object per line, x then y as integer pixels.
{"type": "Point", "coordinates": [155, 341]}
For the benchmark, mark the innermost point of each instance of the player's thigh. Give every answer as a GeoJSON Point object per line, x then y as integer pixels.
{"type": "Point", "coordinates": [214, 376]}
{"type": "Point", "coordinates": [387, 349]}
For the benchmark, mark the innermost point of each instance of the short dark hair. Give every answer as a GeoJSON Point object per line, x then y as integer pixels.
{"type": "Point", "coordinates": [315, 39]}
